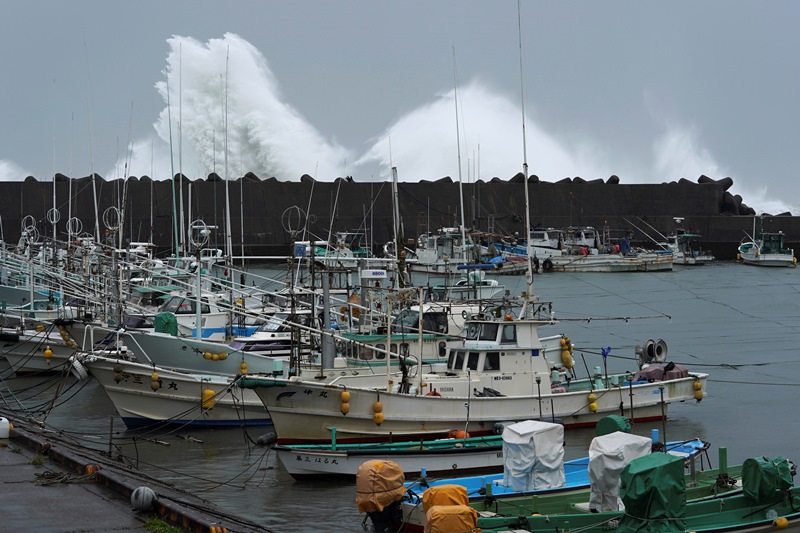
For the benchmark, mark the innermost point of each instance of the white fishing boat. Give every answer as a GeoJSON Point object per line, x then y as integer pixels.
{"type": "Point", "coordinates": [768, 250]}
{"type": "Point", "coordinates": [502, 372]}
{"type": "Point", "coordinates": [686, 249]}
{"type": "Point", "coordinates": [37, 350]}
{"type": "Point", "coordinates": [436, 457]}
{"type": "Point", "coordinates": [473, 285]}
{"type": "Point", "coordinates": [144, 394]}
{"type": "Point", "coordinates": [588, 250]}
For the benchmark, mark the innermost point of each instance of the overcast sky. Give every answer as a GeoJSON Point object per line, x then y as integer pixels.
{"type": "Point", "coordinates": [648, 91]}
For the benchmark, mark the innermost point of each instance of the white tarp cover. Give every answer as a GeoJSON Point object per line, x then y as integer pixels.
{"type": "Point", "coordinates": [533, 456]}
{"type": "Point", "coordinates": [608, 455]}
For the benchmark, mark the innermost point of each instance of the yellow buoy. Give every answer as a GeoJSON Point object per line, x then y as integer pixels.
{"type": "Point", "coordinates": [697, 385]}
{"type": "Point", "coordinates": [377, 407]}
{"type": "Point", "coordinates": [563, 341]}
{"type": "Point", "coordinates": [215, 357]}
{"type": "Point", "coordinates": [566, 358]}
{"type": "Point", "coordinates": [39, 328]}
{"type": "Point", "coordinates": [48, 353]}
{"type": "Point", "coordinates": [698, 395]}
{"type": "Point", "coordinates": [593, 407]}
{"type": "Point", "coordinates": [344, 408]}
{"type": "Point", "coordinates": [378, 417]}
{"type": "Point", "coordinates": [155, 385]}
{"type": "Point", "coordinates": [592, 397]}
{"type": "Point", "coordinates": [345, 396]}
{"type": "Point", "coordinates": [208, 399]}
{"type": "Point", "coordinates": [780, 522]}
{"type": "Point", "coordinates": [207, 355]}
{"type": "Point", "coordinates": [223, 356]}
{"type": "Point", "coordinates": [243, 367]}
{"type": "Point", "coordinates": [154, 376]}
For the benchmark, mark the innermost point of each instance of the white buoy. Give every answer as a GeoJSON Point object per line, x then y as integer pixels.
{"type": "Point", "coordinates": [143, 499]}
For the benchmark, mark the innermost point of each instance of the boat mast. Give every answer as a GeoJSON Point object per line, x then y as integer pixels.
{"type": "Point", "coordinates": [458, 147]}
{"type": "Point", "coordinates": [172, 175]}
{"type": "Point", "coordinates": [529, 271]}
{"type": "Point", "coordinates": [180, 149]}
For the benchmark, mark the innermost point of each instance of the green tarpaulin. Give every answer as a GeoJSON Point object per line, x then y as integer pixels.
{"type": "Point", "coordinates": [166, 323]}
{"type": "Point", "coordinates": [653, 489]}
{"type": "Point", "coordinates": [765, 480]}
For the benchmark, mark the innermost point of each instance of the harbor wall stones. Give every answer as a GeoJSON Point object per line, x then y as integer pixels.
{"type": "Point", "coordinates": [261, 224]}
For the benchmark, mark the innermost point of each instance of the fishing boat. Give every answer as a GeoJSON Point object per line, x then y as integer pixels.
{"type": "Point", "coordinates": [443, 251]}
{"type": "Point", "coordinates": [768, 250]}
{"type": "Point", "coordinates": [41, 349]}
{"type": "Point", "coordinates": [586, 249]}
{"type": "Point", "coordinates": [655, 497]}
{"type": "Point", "coordinates": [501, 372]}
{"type": "Point", "coordinates": [686, 249]}
{"type": "Point", "coordinates": [537, 480]}
{"type": "Point", "coordinates": [146, 395]}
{"type": "Point", "coordinates": [437, 457]}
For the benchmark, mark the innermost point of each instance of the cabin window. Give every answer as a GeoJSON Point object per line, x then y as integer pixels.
{"type": "Point", "coordinates": [365, 353]}
{"type": "Point", "coordinates": [492, 361]}
{"type": "Point", "coordinates": [379, 352]}
{"type": "Point", "coordinates": [472, 360]}
{"type": "Point", "coordinates": [488, 332]}
{"type": "Point", "coordinates": [404, 349]}
{"type": "Point", "coordinates": [442, 348]}
{"type": "Point", "coordinates": [509, 333]}
{"type": "Point", "coordinates": [472, 331]}
{"type": "Point", "coordinates": [456, 361]}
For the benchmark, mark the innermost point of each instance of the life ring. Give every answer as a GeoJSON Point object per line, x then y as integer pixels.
{"type": "Point", "coordinates": [547, 266]}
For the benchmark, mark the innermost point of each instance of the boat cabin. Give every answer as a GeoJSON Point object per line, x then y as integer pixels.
{"type": "Point", "coordinates": [500, 345]}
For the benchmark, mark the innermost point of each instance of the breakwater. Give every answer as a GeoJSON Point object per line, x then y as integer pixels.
{"type": "Point", "coordinates": [262, 217]}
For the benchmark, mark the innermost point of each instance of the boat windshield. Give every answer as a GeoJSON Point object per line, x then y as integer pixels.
{"type": "Point", "coordinates": [407, 321]}
{"type": "Point", "coordinates": [183, 306]}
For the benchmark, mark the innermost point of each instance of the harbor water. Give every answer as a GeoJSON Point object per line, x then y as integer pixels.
{"type": "Point", "coordinates": [740, 324]}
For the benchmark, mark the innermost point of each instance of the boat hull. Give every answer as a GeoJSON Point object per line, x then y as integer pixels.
{"type": "Point", "coordinates": [304, 463]}
{"type": "Point", "coordinates": [650, 262]}
{"type": "Point", "coordinates": [769, 260]}
{"type": "Point", "coordinates": [179, 398]}
{"type": "Point", "coordinates": [26, 355]}
{"type": "Point", "coordinates": [304, 411]}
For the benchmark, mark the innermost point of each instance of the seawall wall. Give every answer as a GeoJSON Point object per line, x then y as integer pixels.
{"type": "Point", "coordinates": [262, 215]}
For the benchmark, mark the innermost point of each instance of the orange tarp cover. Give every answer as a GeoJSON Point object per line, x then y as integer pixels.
{"type": "Point", "coordinates": [449, 518]}
{"type": "Point", "coordinates": [444, 495]}
{"type": "Point", "coordinates": [378, 483]}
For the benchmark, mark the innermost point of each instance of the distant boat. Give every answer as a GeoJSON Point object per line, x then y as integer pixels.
{"type": "Point", "coordinates": [768, 250]}
{"type": "Point", "coordinates": [686, 249]}
{"type": "Point", "coordinates": [587, 249]}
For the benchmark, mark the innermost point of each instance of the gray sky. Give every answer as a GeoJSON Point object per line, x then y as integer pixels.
{"type": "Point", "coordinates": [649, 91]}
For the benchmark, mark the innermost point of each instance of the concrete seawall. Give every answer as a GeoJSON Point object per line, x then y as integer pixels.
{"type": "Point", "coordinates": [259, 219]}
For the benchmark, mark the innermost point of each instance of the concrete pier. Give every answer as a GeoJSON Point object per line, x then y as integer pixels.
{"type": "Point", "coordinates": [80, 489]}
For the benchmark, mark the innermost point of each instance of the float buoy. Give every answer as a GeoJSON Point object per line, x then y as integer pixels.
{"type": "Point", "coordinates": [143, 498]}
{"type": "Point", "coordinates": [208, 399]}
